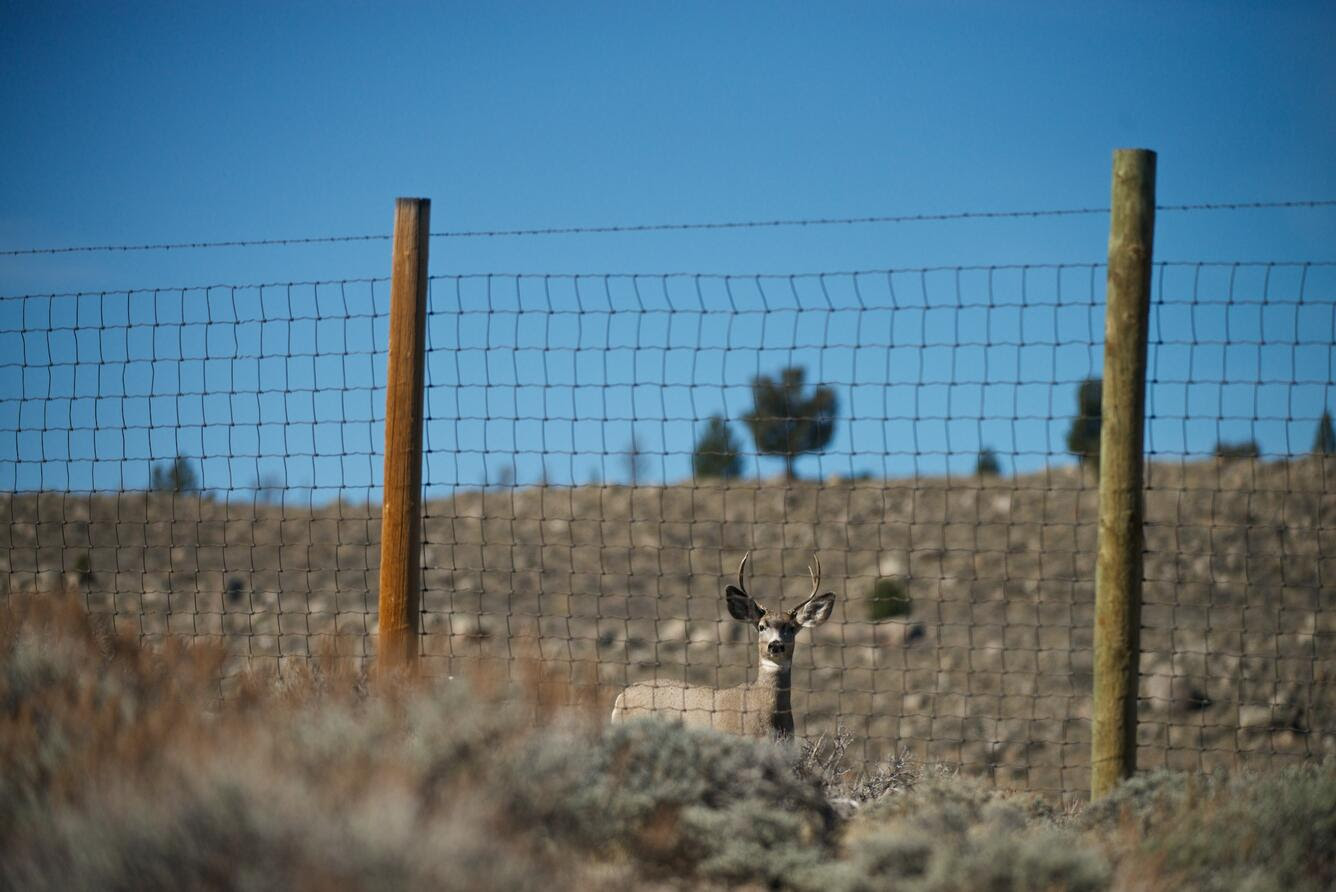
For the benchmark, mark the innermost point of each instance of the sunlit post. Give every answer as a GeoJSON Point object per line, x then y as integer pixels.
{"type": "Point", "coordinates": [1118, 567]}
{"type": "Point", "coordinates": [401, 520]}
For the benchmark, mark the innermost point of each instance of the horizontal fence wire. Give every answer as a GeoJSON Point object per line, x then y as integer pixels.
{"type": "Point", "coordinates": [206, 462]}
{"type": "Point", "coordinates": [667, 227]}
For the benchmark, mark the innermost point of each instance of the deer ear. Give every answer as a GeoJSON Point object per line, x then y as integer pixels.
{"type": "Point", "coordinates": [741, 606]}
{"type": "Point", "coordinates": [815, 611]}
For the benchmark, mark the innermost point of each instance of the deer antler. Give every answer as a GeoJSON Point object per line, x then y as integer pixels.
{"type": "Point", "coordinates": [815, 574]}
{"type": "Point", "coordinates": [742, 570]}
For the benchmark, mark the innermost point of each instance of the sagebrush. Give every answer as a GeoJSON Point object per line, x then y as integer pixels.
{"type": "Point", "coordinates": [122, 768]}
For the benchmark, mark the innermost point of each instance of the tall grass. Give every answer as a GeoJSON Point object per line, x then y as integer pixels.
{"type": "Point", "coordinates": [122, 769]}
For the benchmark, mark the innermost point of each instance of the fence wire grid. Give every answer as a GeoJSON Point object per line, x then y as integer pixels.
{"type": "Point", "coordinates": [206, 463]}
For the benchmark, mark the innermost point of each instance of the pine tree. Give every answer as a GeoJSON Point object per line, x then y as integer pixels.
{"type": "Point", "coordinates": [716, 454]}
{"type": "Point", "coordinates": [786, 422]}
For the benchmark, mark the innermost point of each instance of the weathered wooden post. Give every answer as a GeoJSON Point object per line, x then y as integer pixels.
{"type": "Point", "coordinates": [401, 519]}
{"type": "Point", "coordinates": [1118, 567]}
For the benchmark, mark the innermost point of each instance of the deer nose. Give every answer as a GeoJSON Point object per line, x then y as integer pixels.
{"type": "Point", "coordinates": [776, 647]}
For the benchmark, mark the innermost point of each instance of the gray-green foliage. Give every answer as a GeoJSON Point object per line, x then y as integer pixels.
{"type": "Point", "coordinates": [113, 775]}
{"type": "Point", "coordinates": [1271, 831]}
{"type": "Point", "coordinates": [236, 827]}
{"type": "Point", "coordinates": [1144, 800]}
{"type": "Point", "coordinates": [955, 833]}
{"type": "Point", "coordinates": [677, 799]}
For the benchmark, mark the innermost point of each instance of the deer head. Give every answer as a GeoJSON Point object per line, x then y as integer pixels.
{"type": "Point", "coordinates": [778, 632]}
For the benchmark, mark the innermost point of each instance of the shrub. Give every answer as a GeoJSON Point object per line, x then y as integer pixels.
{"type": "Point", "coordinates": [120, 769]}
{"type": "Point", "coordinates": [823, 761]}
{"type": "Point", "coordinates": [1143, 800]}
{"type": "Point", "coordinates": [998, 859]}
{"type": "Point", "coordinates": [677, 799]}
{"type": "Point", "coordinates": [83, 569]}
{"type": "Point", "coordinates": [1268, 831]}
{"type": "Point", "coordinates": [950, 832]}
{"type": "Point", "coordinates": [888, 600]}
{"type": "Point", "coordinates": [235, 825]}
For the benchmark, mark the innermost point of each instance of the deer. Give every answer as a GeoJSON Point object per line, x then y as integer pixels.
{"type": "Point", "coordinates": [760, 709]}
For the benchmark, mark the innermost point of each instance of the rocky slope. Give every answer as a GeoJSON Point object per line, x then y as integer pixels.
{"type": "Point", "coordinates": [991, 668]}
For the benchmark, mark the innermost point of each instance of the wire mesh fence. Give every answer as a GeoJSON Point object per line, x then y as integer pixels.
{"type": "Point", "coordinates": [601, 452]}
{"type": "Point", "coordinates": [200, 462]}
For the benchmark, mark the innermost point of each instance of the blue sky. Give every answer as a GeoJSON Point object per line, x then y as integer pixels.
{"type": "Point", "coordinates": [194, 122]}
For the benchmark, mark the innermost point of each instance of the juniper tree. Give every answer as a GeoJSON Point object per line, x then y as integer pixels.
{"type": "Point", "coordinates": [175, 476]}
{"type": "Point", "coordinates": [633, 458]}
{"type": "Point", "coordinates": [786, 421]}
{"type": "Point", "coordinates": [1243, 449]}
{"type": "Point", "coordinates": [987, 465]}
{"type": "Point", "coordinates": [716, 453]}
{"type": "Point", "coordinates": [1324, 442]}
{"type": "Point", "coordinates": [1083, 436]}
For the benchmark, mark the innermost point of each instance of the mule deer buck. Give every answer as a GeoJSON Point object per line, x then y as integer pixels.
{"type": "Point", "coordinates": [761, 709]}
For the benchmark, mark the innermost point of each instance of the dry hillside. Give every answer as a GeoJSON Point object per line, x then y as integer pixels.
{"type": "Point", "coordinates": [991, 669]}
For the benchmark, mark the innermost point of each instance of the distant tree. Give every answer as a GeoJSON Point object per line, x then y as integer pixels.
{"type": "Point", "coordinates": [716, 454]}
{"type": "Point", "coordinates": [633, 458]}
{"type": "Point", "coordinates": [1244, 449]}
{"type": "Point", "coordinates": [268, 487]}
{"type": "Point", "coordinates": [785, 421]}
{"type": "Point", "coordinates": [176, 476]}
{"type": "Point", "coordinates": [1324, 442]}
{"type": "Point", "coordinates": [987, 465]}
{"type": "Point", "coordinates": [1083, 436]}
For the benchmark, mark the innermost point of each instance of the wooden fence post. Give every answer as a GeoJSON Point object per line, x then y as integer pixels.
{"type": "Point", "coordinates": [1118, 567]}
{"type": "Point", "coordinates": [401, 518]}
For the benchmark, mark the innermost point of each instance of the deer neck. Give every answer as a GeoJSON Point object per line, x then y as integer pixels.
{"type": "Point", "coordinates": [775, 683]}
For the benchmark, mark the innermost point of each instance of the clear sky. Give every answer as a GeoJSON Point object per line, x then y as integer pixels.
{"type": "Point", "coordinates": [193, 122]}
